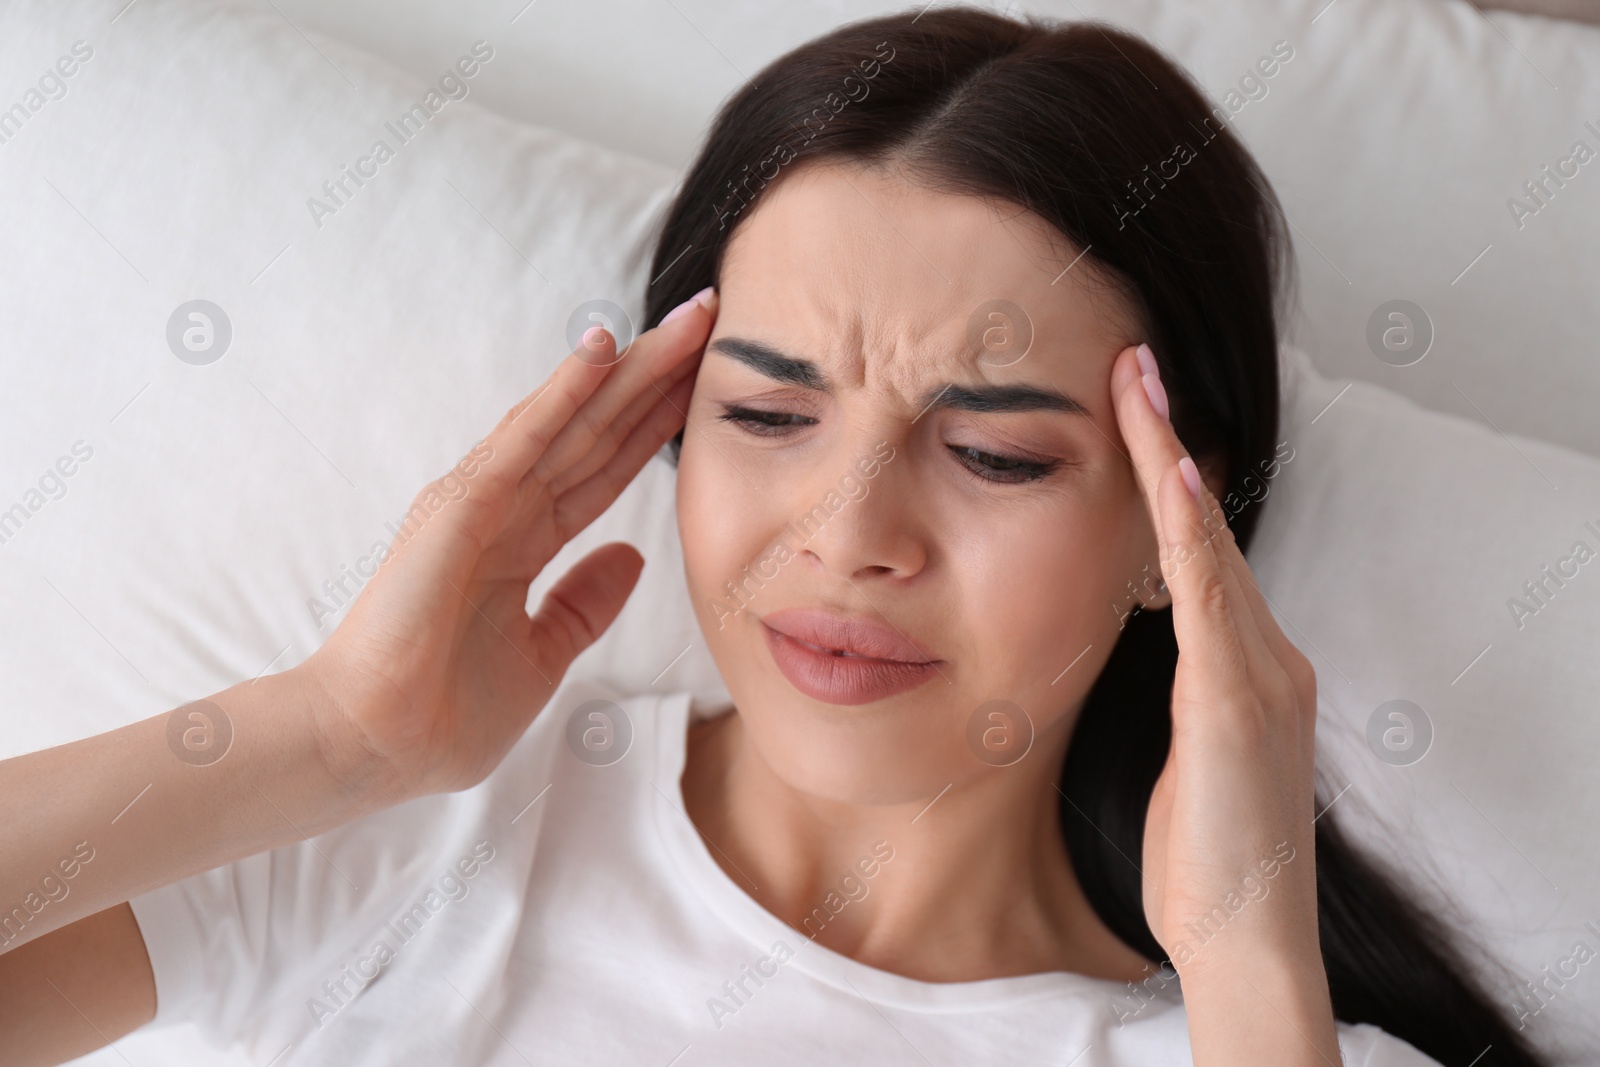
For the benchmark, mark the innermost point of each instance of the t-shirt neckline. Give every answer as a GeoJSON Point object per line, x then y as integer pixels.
{"type": "Point", "coordinates": [727, 900]}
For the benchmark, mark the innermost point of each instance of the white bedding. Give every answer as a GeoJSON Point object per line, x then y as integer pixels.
{"type": "Point", "coordinates": [1395, 138]}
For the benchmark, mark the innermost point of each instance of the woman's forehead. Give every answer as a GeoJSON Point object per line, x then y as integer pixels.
{"type": "Point", "coordinates": [858, 226]}
{"type": "Point", "coordinates": [845, 262]}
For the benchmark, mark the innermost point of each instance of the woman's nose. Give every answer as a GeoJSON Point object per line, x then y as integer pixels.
{"type": "Point", "coordinates": [865, 521]}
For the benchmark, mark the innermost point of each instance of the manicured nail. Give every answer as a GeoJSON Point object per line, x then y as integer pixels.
{"type": "Point", "coordinates": [1191, 476]}
{"type": "Point", "coordinates": [1147, 360]}
{"type": "Point", "coordinates": [1157, 394]}
{"type": "Point", "coordinates": [698, 298]}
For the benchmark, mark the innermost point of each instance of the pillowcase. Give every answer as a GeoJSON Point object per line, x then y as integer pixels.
{"type": "Point", "coordinates": [1442, 579]}
{"type": "Point", "coordinates": [189, 501]}
{"type": "Point", "coordinates": [1427, 156]}
{"type": "Point", "coordinates": [239, 335]}
{"type": "Point", "coordinates": [1400, 136]}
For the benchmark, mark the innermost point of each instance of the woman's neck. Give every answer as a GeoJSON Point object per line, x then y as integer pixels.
{"type": "Point", "coordinates": [976, 884]}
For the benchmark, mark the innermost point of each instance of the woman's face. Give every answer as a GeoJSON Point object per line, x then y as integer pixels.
{"type": "Point", "coordinates": [865, 441]}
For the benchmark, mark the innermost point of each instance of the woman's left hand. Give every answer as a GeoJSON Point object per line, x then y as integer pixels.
{"type": "Point", "coordinates": [1229, 857]}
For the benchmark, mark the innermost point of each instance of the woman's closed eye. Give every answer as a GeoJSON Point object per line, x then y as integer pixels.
{"type": "Point", "coordinates": [763, 423]}
{"type": "Point", "coordinates": [1005, 469]}
{"type": "Point", "coordinates": [997, 467]}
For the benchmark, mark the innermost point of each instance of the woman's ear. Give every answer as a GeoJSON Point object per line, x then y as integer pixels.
{"type": "Point", "coordinates": [1157, 596]}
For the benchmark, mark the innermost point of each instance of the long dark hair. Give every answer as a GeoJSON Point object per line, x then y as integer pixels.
{"type": "Point", "coordinates": [1095, 131]}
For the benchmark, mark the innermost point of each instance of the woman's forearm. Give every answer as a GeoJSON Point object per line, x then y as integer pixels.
{"type": "Point", "coordinates": [98, 821]}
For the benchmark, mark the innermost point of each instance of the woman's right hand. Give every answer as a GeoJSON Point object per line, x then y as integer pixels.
{"type": "Point", "coordinates": [438, 669]}
{"type": "Point", "coordinates": [423, 688]}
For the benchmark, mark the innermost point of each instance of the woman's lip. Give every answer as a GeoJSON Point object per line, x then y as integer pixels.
{"type": "Point", "coordinates": [831, 631]}
{"type": "Point", "coordinates": [842, 679]}
{"type": "Point", "coordinates": [839, 651]}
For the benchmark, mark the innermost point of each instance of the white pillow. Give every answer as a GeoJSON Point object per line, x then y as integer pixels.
{"type": "Point", "coordinates": [196, 509]}
{"type": "Point", "coordinates": [1396, 549]}
{"type": "Point", "coordinates": [1396, 136]}
{"type": "Point", "coordinates": [209, 503]}
{"type": "Point", "coordinates": [1396, 139]}
{"type": "Point", "coordinates": [369, 348]}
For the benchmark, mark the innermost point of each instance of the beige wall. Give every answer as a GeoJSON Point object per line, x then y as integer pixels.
{"type": "Point", "coordinates": [1581, 10]}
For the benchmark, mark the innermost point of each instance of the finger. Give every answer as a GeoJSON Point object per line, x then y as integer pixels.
{"type": "Point", "coordinates": [1204, 614]}
{"type": "Point", "coordinates": [1210, 623]}
{"type": "Point", "coordinates": [1284, 651]}
{"type": "Point", "coordinates": [583, 503]}
{"type": "Point", "coordinates": [650, 363]}
{"type": "Point", "coordinates": [540, 526]}
{"type": "Point", "coordinates": [526, 430]}
{"type": "Point", "coordinates": [582, 605]}
{"type": "Point", "coordinates": [1213, 528]}
{"type": "Point", "coordinates": [1156, 450]}
{"type": "Point", "coordinates": [529, 428]}
{"type": "Point", "coordinates": [1231, 554]}
{"type": "Point", "coordinates": [620, 428]}
{"type": "Point", "coordinates": [1152, 446]}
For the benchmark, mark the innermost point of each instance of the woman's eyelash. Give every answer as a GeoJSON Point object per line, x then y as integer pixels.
{"type": "Point", "coordinates": [1011, 470]}
{"type": "Point", "coordinates": [989, 466]}
{"type": "Point", "coordinates": [763, 423]}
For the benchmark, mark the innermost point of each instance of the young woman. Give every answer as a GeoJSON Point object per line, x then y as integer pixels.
{"type": "Point", "coordinates": [1019, 766]}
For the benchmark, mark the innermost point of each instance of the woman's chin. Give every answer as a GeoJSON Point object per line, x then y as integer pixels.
{"type": "Point", "coordinates": [895, 751]}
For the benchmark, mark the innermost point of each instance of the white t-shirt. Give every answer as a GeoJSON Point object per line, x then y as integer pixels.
{"type": "Point", "coordinates": [566, 911]}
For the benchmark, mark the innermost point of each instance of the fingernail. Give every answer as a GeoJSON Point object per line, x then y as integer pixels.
{"type": "Point", "coordinates": [1157, 394]}
{"type": "Point", "coordinates": [1147, 360]}
{"type": "Point", "coordinates": [698, 298]}
{"type": "Point", "coordinates": [1191, 476]}
{"type": "Point", "coordinates": [591, 337]}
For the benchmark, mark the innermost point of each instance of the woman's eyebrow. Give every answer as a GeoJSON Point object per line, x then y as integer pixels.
{"type": "Point", "coordinates": [985, 399]}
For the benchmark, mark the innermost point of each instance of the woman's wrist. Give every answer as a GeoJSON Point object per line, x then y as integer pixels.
{"type": "Point", "coordinates": [287, 773]}
{"type": "Point", "coordinates": [362, 779]}
{"type": "Point", "coordinates": [1261, 1002]}
{"type": "Point", "coordinates": [253, 767]}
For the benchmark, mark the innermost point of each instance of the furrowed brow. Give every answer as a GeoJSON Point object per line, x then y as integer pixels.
{"type": "Point", "coordinates": [773, 363]}
{"type": "Point", "coordinates": [769, 361]}
{"type": "Point", "coordinates": [986, 399]}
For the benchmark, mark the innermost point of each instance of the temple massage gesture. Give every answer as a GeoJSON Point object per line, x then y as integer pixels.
{"type": "Point", "coordinates": [438, 669]}
{"type": "Point", "coordinates": [423, 688]}
{"type": "Point", "coordinates": [1237, 791]}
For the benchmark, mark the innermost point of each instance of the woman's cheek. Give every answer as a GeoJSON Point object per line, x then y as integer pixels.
{"type": "Point", "coordinates": [719, 520]}
{"type": "Point", "coordinates": [1047, 589]}
{"type": "Point", "coordinates": [1017, 585]}
{"type": "Point", "coordinates": [697, 503]}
